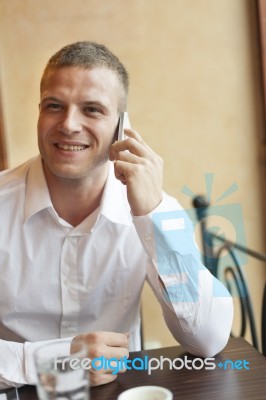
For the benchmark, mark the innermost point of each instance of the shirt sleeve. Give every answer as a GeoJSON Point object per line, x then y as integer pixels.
{"type": "Point", "coordinates": [197, 308]}
{"type": "Point", "coordinates": [20, 369]}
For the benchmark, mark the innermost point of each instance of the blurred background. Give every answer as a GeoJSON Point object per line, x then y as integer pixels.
{"type": "Point", "coordinates": [196, 96]}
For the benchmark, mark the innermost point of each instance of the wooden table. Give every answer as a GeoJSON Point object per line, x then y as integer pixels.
{"type": "Point", "coordinates": [218, 384]}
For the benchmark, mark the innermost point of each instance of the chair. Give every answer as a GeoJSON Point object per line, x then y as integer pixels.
{"type": "Point", "coordinates": [232, 274]}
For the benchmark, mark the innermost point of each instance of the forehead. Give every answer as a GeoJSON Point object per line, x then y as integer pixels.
{"type": "Point", "coordinates": [77, 81]}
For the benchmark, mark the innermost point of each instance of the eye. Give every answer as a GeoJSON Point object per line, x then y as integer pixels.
{"type": "Point", "coordinates": [53, 106]}
{"type": "Point", "coordinates": [91, 110]}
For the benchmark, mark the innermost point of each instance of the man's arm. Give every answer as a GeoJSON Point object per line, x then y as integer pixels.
{"type": "Point", "coordinates": [17, 362]}
{"type": "Point", "coordinates": [197, 308]}
{"type": "Point", "coordinates": [11, 364]}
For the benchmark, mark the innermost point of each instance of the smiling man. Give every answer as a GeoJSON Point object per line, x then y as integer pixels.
{"type": "Point", "coordinates": [76, 245]}
{"type": "Point", "coordinates": [77, 122]}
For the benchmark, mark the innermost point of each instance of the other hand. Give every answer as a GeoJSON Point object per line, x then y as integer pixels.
{"type": "Point", "coordinates": [108, 345]}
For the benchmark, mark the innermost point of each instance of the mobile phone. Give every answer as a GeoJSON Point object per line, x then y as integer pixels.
{"type": "Point", "coordinates": [123, 124]}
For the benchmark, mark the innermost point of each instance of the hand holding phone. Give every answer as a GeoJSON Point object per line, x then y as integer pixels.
{"type": "Point", "coordinates": [138, 167]}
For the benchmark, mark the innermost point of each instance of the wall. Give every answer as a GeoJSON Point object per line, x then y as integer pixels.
{"type": "Point", "coordinates": [194, 94]}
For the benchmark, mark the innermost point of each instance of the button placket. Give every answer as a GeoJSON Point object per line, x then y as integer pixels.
{"type": "Point", "coordinates": [69, 295]}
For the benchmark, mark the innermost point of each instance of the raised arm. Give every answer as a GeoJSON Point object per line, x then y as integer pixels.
{"type": "Point", "coordinates": [197, 308]}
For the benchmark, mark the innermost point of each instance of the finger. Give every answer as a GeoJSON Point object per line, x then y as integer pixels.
{"type": "Point", "coordinates": [101, 379]}
{"type": "Point", "coordinates": [135, 135]}
{"type": "Point", "coordinates": [129, 144]}
{"type": "Point", "coordinates": [113, 339]}
{"type": "Point", "coordinates": [128, 169]}
{"type": "Point", "coordinates": [120, 176]}
{"type": "Point", "coordinates": [129, 157]}
{"type": "Point", "coordinates": [124, 170]}
{"type": "Point", "coordinates": [109, 366]}
{"type": "Point", "coordinates": [131, 133]}
{"type": "Point", "coordinates": [133, 143]}
{"type": "Point", "coordinates": [96, 352]}
{"type": "Point", "coordinates": [116, 352]}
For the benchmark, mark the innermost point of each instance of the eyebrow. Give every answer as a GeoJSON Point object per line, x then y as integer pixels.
{"type": "Point", "coordinates": [50, 98]}
{"type": "Point", "coordinates": [95, 103]}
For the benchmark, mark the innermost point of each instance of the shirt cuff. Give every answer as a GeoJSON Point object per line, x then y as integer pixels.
{"type": "Point", "coordinates": [30, 348]}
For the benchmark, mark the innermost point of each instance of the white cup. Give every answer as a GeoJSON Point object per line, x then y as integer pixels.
{"type": "Point", "coordinates": [146, 393]}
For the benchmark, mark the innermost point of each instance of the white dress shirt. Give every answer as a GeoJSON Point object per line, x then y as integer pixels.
{"type": "Point", "coordinates": [58, 281]}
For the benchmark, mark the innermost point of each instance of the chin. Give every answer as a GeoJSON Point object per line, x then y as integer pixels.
{"type": "Point", "coordinates": [71, 175]}
{"type": "Point", "coordinates": [65, 173]}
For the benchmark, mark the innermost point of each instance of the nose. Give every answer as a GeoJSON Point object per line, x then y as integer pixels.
{"type": "Point", "coordinates": [70, 123]}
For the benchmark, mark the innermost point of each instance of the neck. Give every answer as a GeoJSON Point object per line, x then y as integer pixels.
{"type": "Point", "coordinates": [74, 200]}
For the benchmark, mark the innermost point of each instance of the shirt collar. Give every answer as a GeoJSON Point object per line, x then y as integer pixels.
{"type": "Point", "coordinates": [37, 193]}
{"type": "Point", "coordinates": [114, 205]}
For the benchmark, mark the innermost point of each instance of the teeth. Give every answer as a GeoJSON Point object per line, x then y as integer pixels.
{"type": "Point", "coordinates": [71, 147]}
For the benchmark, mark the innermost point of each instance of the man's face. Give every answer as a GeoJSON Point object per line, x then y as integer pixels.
{"type": "Point", "coordinates": [77, 121]}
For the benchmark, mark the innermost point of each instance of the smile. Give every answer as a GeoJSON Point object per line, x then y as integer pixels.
{"type": "Point", "coordinates": [67, 147]}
